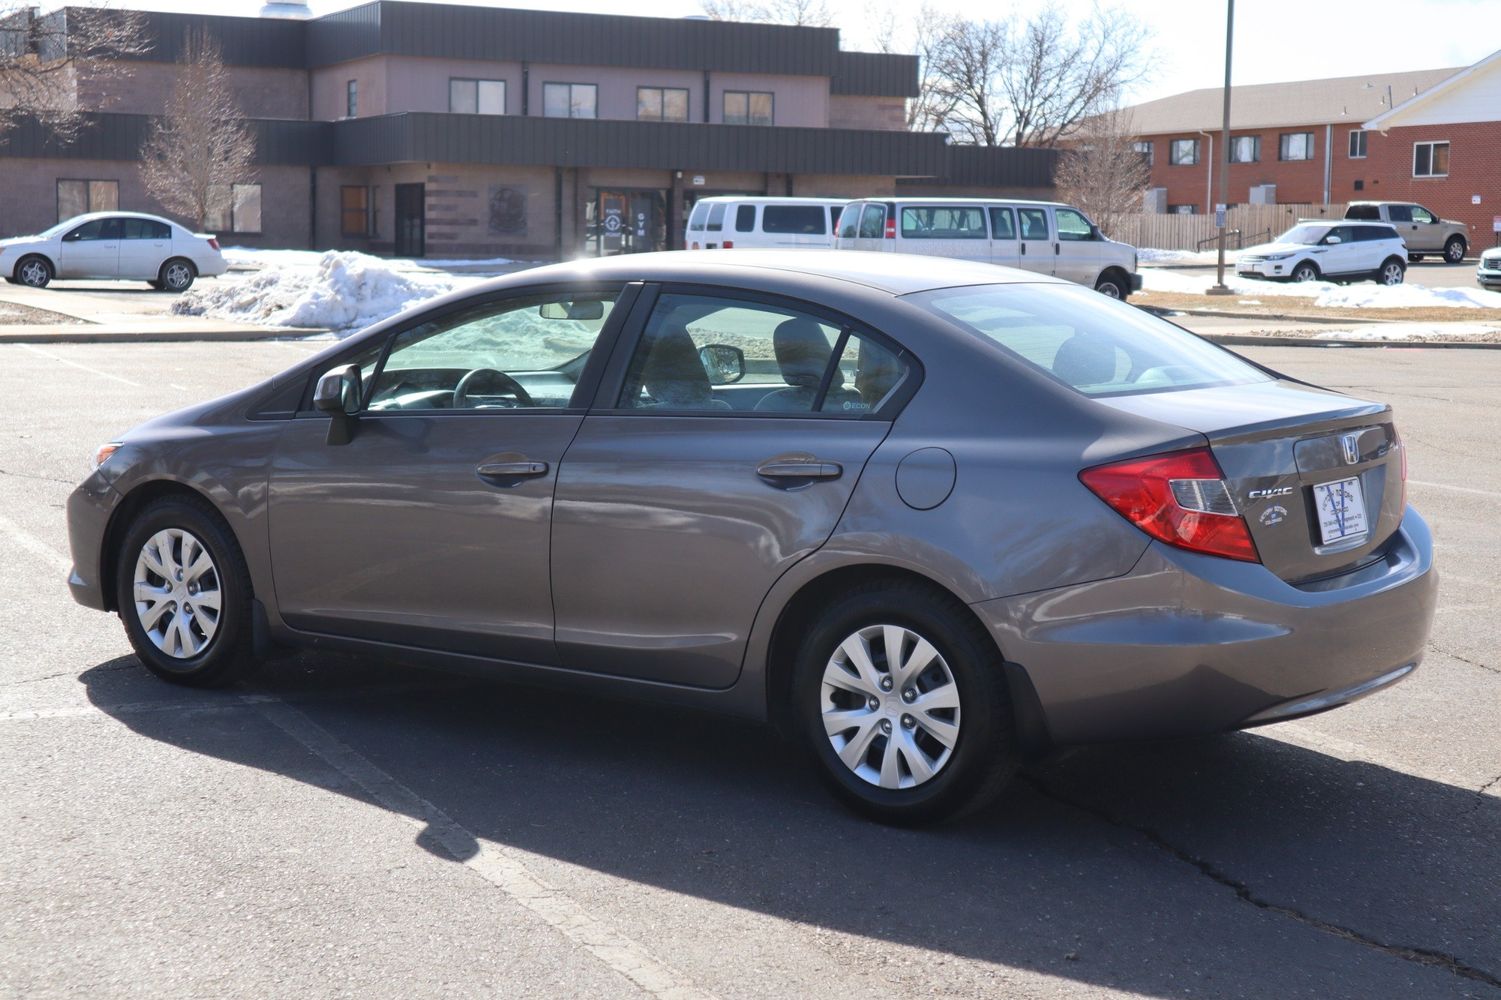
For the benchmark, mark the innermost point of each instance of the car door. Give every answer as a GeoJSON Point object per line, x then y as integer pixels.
{"type": "Point", "coordinates": [1004, 246]}
{"type": "Point", "coordinates": [1035, 248]}
{"type": "Point", "coordinates": [872, 228]}
{"type": "Point", "coordinates": [677, 510]}
{"type": "Point", "coordinates": [1080, 251]}
{"type": "Point", "coordinates": [430, 527]}
{"type": "Point", "coordinates": [1401, 220]}
{"type": "Point", "coordinates": [1339, 253]}
{"type": "Point", "coordinates": [145, 245]}
{"type": "Point", "coordinates": [1427, 231]}
{"type": "Point", "coordinates": [90, 251]}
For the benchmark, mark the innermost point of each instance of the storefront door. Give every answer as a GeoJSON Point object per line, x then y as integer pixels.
{"type": "Point", "coordinates": [411, 220]}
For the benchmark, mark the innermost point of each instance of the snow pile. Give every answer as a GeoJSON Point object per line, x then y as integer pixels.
{"type": "Point", "coordinates": [333, 291]}
{"type": "Point", "coordinates": [1150, 256]}
{"type": "Point", "coordinates": [1362, 295]}
{"type": "Point", "coordinates": [251, 258]}
{"type": "Point", "coordinates": [1480, 332]}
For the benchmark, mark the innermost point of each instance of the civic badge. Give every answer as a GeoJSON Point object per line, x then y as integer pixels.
{"type": "Point", "coordinates": [1274, 514]}
{"type": "Point", "coordinates": [1350, 445]}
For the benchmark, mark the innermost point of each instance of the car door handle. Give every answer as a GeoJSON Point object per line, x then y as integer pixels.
{"type": "Point", "coordinates": [511, 470]}
{"type": "Point", "coordinates": [800, 470]}
{"type": "Point", "coordinates": [1024, 249]}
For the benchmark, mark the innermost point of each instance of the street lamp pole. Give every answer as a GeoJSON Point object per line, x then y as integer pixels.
{"type": "Point", "coordinates": [1220, 288]}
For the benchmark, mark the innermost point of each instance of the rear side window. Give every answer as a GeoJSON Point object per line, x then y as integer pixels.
{"type": "Point", "coordinates": [1365, 212]}
{"type": "Point", "coordinates": [1371, 234]}
{"type": "Point", "coordinates": [716, 218]}
{"type": "Point", "coordinates": [1034, 223]}
{"type": "Point", "coordinates": [147, 229]}
{"type": "Point", "coordinates": [696, 220]}
{"type": "Point", "coordinates": [801, 220]}
{"type": "Point", "coordinates": [872, 222]}
{"type": "Point", "coordinates": [943, 222]}
{"type": "Point", "coordinates": [745, 219]}
{"type": "Point", "coordinates": [1085, 341]}
{"type": "Point", "coordinates": [1002, 224]}
{"type": "Point", "coordinates": [1399, 213]}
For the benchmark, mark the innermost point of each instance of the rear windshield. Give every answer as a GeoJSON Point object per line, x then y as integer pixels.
{"type": "Point", "coordinates": [1369, 212]}
{"type": "Point", "coordinates": [803, 220]}
{"type": "Point", "coordinates": [1088, 342]}
{"type": "Point", "coordinates": [696, 220]}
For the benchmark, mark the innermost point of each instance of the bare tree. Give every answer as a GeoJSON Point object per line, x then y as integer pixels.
{"type": "Point", "coordinates": [1032, 82]}
{"type": "Point", "coordinates": [201, 146]}
{"type": "Point", "coordinates": [43, 56]}
{"type": "Point", "coordinates": [806, 13]}
{"type": "Point", "coordinates": [1102, 173]}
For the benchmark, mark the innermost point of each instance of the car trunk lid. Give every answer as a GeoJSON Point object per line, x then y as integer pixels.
{"type": "Point", "coordinates": [1316, 474]}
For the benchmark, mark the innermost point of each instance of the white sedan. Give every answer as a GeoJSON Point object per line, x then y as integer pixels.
{"type": "Point", "coordinates": [112, 245]}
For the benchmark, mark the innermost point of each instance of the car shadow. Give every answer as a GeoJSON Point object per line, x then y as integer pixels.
{"type": "Point", "coordinates": [1232, 866]}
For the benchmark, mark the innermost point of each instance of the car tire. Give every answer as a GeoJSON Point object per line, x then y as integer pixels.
{"type": "Point", "coordinates": [1392, 271]}
{"type": "Point", "coordinates": [1413, 258]}
{"type": "Point", "coordinates": [177, 275]}
{"type": "Point", "coordinates": [34, 271]}
{"type": "Point", "coordinates": [1454, 249]}
{"type": "Point", "coordinates": [1111, 286]}
{"type": "Point", "coordinates": [155, 284]}
{"type": "Point", "coordinates": [1305, 271]}
{"type": "Point", "coordinates": [968, 751]}
{"type": "Point", "coordinates": [174, 639]}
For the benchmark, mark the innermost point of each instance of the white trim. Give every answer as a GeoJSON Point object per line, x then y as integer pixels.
{"type": "Point", "coordinates": [1428, 142]}
{"type": "Point", "coordinates": [1384, 121]}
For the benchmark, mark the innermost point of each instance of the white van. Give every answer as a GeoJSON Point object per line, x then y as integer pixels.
{"type": "Point", "coordinates": [1043, 236]}
{"type": "Point", "coordinates": [729, 221]}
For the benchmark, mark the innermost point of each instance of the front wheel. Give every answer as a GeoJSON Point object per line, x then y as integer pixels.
{"type": "Point", "coordinates": [183, 593]}
{"type": "Point", "coordinates": [901, 702]}
{"type": "Point", "coordinates": [177, 275]}
{"type": "Point", "coordinates": [1454, 250]}
{"type": "Point", "coordinates": [1305, 272]}
{"type": "Point", "coordinates": [1392, 272]}
{"type": "Point", "coordinates": [1111, 286]}
{"type": "Point", "coordinates": [34, 272]}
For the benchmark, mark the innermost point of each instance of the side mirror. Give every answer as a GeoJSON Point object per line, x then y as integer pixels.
{"type": "Point", "coordinates": [1332, 240]}
{"type": "Point", "coordinates": [338, 395]}
{"type": "Point", "coordinates": [1094, 232]}
{"type": "Point", "coordinates": [722, 363]}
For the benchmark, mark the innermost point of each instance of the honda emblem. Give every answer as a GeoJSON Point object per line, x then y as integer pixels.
{"type": "Point", "coordinates": [1350, 444]}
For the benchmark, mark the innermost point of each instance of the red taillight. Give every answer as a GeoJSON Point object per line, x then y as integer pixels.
{"type": "Point", "coordinates": [728, 244]}
{"type": "Point", "coordinates": [695, 245]}
{"type": "Point", "coordinates": [213, 242]}
{"type": "Point", "coordinates": [1180, 498]}
{"type": "Point", "coordinates": [891, 227]}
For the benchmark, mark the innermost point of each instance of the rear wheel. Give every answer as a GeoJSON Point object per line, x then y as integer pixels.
{"type": "Point", "coordinates": [1111, 285]}
{"type": "Point", "coordinates": [1306, 271]}
{"type": "Point", "coordinates": [34, 272]}
{"type": "Point", "coordinates": [1392, 272]}
{"type": "Point", "coordinates": [177, 275]}
{"type": "Point", "coordinates": [1454, 250]}
{"type": "Point", "coordinates": [183, 592]}
{"type": "Point", "coordinates": [900, 700]}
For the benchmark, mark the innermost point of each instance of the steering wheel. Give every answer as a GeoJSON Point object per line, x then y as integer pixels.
{"type": "Point", "coordinates": [508, 387]}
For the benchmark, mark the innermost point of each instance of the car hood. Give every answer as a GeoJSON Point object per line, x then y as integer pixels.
{"type": "Point", "coordinates": [1266, 249]}
{"type": "Point", "coordinates": [21, 241]}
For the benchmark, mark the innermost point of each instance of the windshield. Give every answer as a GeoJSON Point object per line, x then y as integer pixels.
{"type": "Point", "coordinates": [1095, 345]}
{"type": "Point", "coordinates": [60, 228]}
{"type": "Point", "coordinates": [1307, 235]}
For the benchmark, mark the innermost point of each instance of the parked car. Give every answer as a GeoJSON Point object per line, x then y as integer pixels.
{"type": "Point", "coordinates": [1488, 272]}
{"type": "Point", "coordinates": [1041, 236]}
{"type": "Point", "coordinates": [113, 245]}
{"type": "Point", "coordinates": [1422, 231]}
{"type": "Point", "coordinates": [734, 222]}
{"type": "Point", "coordinates": [932, 515]}
{"type": "Point", "coordinates": [1313, 250]}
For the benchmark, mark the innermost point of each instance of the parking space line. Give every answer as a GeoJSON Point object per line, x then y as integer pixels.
{"type": "Point", "coordinates": [1456, 489]}
{"type": "Point", "coordinates": [35, 545]}
{"type": "Point", "coordinates": [75, 364]}
{"type": "Point", "coordinates": [502, 868]}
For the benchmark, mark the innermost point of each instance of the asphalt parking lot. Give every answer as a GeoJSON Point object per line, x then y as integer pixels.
{"type": "Point", "coordinates": [1429, 272]}
{"type": "Point", "coordinates": [344, 827]}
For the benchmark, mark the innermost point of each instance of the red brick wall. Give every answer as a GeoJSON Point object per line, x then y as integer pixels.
{"type": "Point", "coordinates": [1298, 181]}
{"type": "Point", "coordinates": [1474, 168]}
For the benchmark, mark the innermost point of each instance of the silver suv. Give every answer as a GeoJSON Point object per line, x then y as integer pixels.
{"type": "Point", "coordinates": [1420, 229]}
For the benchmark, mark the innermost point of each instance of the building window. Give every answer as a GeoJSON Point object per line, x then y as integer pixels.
{"type": "Point", "coordinates": [1245, 149]}
{"type": "Point", "coordinates": [1145, 149]}
{"type": "Point", "coordinates": [1183, 152]}
{"type": "Point", "coordinates": [352, 99]}
{"type": "Point", "coordinates": [354, 211]}
{"type": "Point", "coordinates": [1295, 146]}
{"type": "Point", "coordinates": [747, 107]}
{"type": "Point", "coordinates": [241, 213]}
{"type": "Point", "coordinates": [1357, 144]}
{"type": "Point", "coordinates": [570, 100]}
{"type": "Point", "coordinates": [1430, 159]}
{"type": "Point", "coordinates": [476, 97]}
{"type": "Point", "coordinates": [78, 197]}
{"type": "Point", "coordinates": [662, 104]}
{"type": "Point", "coordinates": [1182, 209]}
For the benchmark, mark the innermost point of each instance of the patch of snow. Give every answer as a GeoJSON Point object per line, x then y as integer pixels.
{"type": "Point", "coordinates": [336, 290]}
{"type": "Point", "coordinates": [257, 258]}
{"type": "Point", "coordinates": [1153, 256]}
{"type": "Point", "coordinates": [1363, 295]}
{"type": "Point", "coordinates": [1416, 331]}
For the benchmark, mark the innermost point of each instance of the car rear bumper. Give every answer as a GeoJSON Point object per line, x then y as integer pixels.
{"type": "Point", "coordinates": [89, 509]}
{"type": "Point", "coordinates": [1187, 644]}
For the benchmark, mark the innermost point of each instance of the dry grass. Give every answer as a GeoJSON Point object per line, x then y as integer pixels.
{"type": "Point", "coordinates": [14, 314]}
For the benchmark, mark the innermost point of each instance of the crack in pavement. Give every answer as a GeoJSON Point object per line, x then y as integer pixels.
{"type": "Point", "coordinates": [32, 475]}
{"type": "Point", "coordinates": [1407, 953]}
{"type": "Point", "coordinates": [1482, 792]}
{"type": "Point", "coordinates": [1461, 659]}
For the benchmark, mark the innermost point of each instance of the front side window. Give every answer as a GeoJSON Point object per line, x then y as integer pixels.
{"type": "Point", "coordinates": [570, 100]}
{"type": "Point", "coordinates": [794, 363]}
{"type": "Point", "coordinates": [1421, 214]}
{"type": "Point", "coordinates": [354, 210]}
{"type": "Point", "coordinates": [1295, 146]}
{"type": "Point", "coordinates": [476, 97]}
{"type": "Point", "coordinates": [1357, 144]}
{"type": "Point", "coordinates": [943, 223]}
{"type": "Point", "coordinates": [98, 229]}
{"type": "Point", "coordinates": [662, 104]}
{"type": "Point", "coordinates": [1072, 225]}
{"type": "Point", "coordinates": [797, 220]}
{"type": "Point", "coordinates": [873, 222]}
{"type": "Point", "coordinates": [352, 99]}
{"type": "Point", "coordinates": [1430, 159]}
{"type": "Point", "coordinates": [1085, 341]}
{"type": "Point", "coordinates": [1245, 148]}
{"type": "Point", "coordinates": [1183, 152]}
{"type": "Point", "coordinates": [81, 197]}
{"type": "Point", "coordinates": [515, 355]}
{"type": "Point", "coordinates": [748, 107]}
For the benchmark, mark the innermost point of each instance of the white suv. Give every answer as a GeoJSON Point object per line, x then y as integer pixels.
{"type": "Point", "coordinates": [1343, 250]}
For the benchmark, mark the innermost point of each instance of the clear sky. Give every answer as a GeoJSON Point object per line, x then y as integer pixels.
{"type": "Point", "coordinates": [1299, 40]}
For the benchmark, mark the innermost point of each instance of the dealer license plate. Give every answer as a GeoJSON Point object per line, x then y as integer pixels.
{"type": "Point", "coordinates": [1341, 508]}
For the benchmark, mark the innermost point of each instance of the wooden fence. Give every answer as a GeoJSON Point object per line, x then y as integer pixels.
{"type": "Point", "coordinates": [1195, 232]}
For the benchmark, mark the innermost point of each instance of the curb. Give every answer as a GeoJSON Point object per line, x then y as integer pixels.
{"type": "Point", "coordinates": [82, 334]}
{"type": "Point", "coordinates": [1251, 340]}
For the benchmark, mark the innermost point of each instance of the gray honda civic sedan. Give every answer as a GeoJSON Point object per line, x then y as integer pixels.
{"type": "Point", "coordinates": [931, 516]}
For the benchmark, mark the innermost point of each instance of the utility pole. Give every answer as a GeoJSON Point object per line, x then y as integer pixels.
{"type": "Point", "coordinates": [1220, 288]}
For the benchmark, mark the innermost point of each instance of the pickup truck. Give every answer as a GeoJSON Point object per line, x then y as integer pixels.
{"type": "Point", "coordinates": [1420, 229]}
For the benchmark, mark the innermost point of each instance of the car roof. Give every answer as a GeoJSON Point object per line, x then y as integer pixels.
{"type": "Point", "coordinates": [894, 273]}
{"type": "Point", "coordinates": [1346, 222]}
{"type": "Point", "coordinates": [760, 199]}
{"type": "Point", "coordinates": [987, 200]}
{"type": "Point", "coordinates": [91, 216]}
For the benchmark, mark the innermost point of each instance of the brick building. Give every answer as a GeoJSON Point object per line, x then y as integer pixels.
{"type": "Point", "coordinates": [428, 129]}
